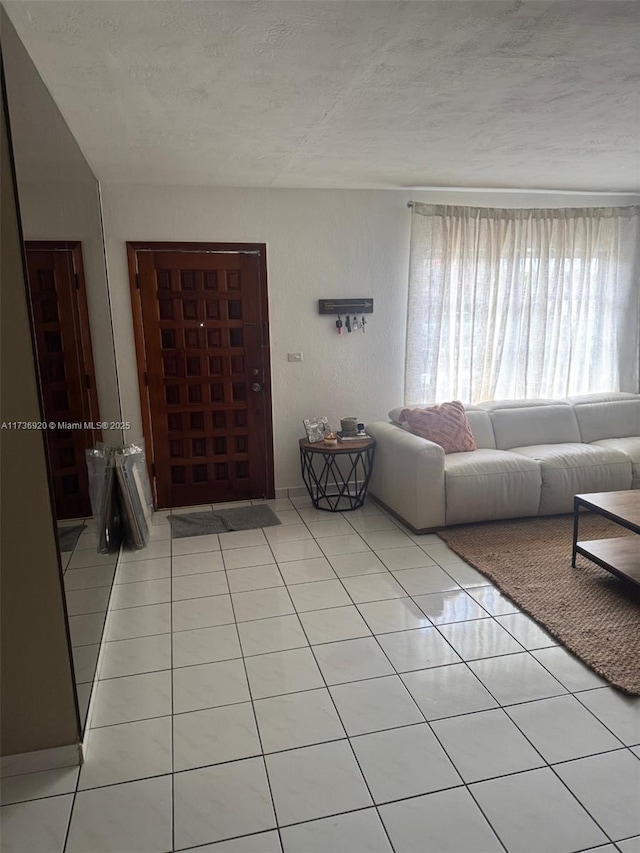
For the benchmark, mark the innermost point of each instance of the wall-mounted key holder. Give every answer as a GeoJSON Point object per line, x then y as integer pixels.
{"type": "Point", "coordinates": [345, 306]}
{"type": "Point", "coordinates": [354, 311]}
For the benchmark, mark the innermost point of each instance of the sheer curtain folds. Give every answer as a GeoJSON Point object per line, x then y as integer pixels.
{"type": "Point", "coordinates": [522, 303]}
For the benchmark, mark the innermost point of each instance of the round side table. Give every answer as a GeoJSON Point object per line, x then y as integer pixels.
{"type": "Point", "coordinates": [337, 477]}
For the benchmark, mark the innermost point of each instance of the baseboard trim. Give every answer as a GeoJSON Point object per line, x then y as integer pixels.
{"type": "Point", "coordinates": [297, 492]}
{"type": "Point", "coordinates": [419, 531]}
{"type": "Point", "coordinates": [42, 759]}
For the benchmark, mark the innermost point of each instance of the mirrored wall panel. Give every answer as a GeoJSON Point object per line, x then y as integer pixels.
{"type": "Point", "coordinates": [59, 202]}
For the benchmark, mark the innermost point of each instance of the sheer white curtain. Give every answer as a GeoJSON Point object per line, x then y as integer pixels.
{"type": "Point", "coordinates": [522, 303]}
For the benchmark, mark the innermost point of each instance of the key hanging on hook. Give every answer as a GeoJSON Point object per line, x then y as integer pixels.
{"type": "Point", "coordinates": [363, 323]}
{"type": "Point", "coordinates": [339, 324]}
{"type": "Point", "coordinates": [347, 322]}
{"type": "Point", "coordinates": [355, 324]}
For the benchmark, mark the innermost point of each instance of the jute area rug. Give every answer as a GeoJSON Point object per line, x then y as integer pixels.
{"type": "Point", "coordinates": [593, 613]}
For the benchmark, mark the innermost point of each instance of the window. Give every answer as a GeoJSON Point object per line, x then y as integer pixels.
{"type": "Point", "coordinates": [522, 303]}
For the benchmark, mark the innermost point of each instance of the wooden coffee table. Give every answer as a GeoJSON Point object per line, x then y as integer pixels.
{"type": "Point", "coordinates": [620, 555]}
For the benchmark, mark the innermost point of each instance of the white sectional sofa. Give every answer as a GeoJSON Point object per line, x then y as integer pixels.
{"type": "Point", "coordinates": [532, 457]}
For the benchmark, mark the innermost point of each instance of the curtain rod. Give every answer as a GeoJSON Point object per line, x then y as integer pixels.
{"type": "Point", "coordinates": [625, 194]}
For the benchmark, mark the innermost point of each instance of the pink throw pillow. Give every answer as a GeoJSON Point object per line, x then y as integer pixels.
{"type": "Point", "coordinates": [446, 425]}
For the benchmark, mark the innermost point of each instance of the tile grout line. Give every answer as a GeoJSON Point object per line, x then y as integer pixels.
{"type": "Point", "coordinates": [398, 675]}
{"type": "Point", "coordinates": [297, 613]}
{"type": "Point", "coordinates": [171, 734]}
{"type": "Point", "coordinates": [84, 733]}
{"type": "Point", "coordinates": [410, 597]}
{"type": "Point", "coordinates": [462, 784]}
{"type": "Point", "coordinates": [326, 687]}
{"type": "Point", "coordinates": [348, 739]}
{"type": "Point", "coordinates": [500, 707]}
{"type": "Point", "coordinates": [377, 678]}
{"type": "Point", "coordinates": [427, 722]}
{"type": "Point", "coordinates": [547, 765]}
{"type": "Point", "coordinates": [578, 801]}
{"type": "Point", "coordinates": [255, 716]}
{"type": "Point", "coordinates": [568, 692]}
{"type": "Point", "coordinates": [578, 694]}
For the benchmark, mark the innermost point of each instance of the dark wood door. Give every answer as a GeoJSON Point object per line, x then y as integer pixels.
{"type": "Point", "coordinates": [65, 362]}
{"type": "Point", "coordinates": [201, 322]}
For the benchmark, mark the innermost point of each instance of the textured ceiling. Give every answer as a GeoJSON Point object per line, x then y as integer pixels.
{"type": "Point", "coordinates": [347, 94]}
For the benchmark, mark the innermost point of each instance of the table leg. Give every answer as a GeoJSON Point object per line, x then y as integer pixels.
{"type": "Point", "coordinates": [329, 487]}
{"type": "Point", "coordinates": [576, 518]}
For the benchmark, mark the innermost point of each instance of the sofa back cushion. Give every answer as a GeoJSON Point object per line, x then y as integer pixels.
{"type": "Point", "coordinates": [481, 428]}
{"type": "Point", "coordinates": [614, 418]}
{"type": "Point", "coordinates": [394, 414]}
{"type": "Point", "coordinates": [478, 421]}
{"type": "Point", "coordinates": [494, 405]}
{"type": "Point", "coordinates": [446, 425]}
{"type": "Point", "coordinates": [600, 397]}
{"type": "Point", "coordinates": [524, 425]}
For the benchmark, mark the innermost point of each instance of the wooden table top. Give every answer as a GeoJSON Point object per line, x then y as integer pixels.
{"type": "Point", "coordinates": [342, 446]}
{"type": "Point", "coordinates": [625, 504]}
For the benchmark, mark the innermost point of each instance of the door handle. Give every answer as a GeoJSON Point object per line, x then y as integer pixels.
{"type": "Point", "coordinates": [256, 386]}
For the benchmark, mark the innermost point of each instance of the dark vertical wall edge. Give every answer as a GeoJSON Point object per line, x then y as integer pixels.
{"type": "Point", "coordinates": [39, 705]}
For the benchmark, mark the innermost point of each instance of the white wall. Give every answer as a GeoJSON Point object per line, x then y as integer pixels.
{"type": "Point", "coordinates": [320, 244]}
{"type": "Point", "coordinates": [59, 200]}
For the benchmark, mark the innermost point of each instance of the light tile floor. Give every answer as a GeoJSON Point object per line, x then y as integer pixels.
{"type": "Point", "coordinates": [333, 685]}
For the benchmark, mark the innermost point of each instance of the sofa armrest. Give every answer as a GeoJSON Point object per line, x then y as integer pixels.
{"type": "Point", "coordinates": [408, 475]}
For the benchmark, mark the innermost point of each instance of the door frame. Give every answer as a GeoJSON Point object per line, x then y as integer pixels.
{"type": "Point", "coordinates": [82, 328]}
{"type": "Point", "coordinates": [82, 318]}
{"type": "Point", "coordinates": [259, 249]}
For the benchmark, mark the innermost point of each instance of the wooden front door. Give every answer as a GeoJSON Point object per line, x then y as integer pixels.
{"type": "Point", "coordinates": [65, 362]}
{"type": "Point", "coordinates": [201, 324]}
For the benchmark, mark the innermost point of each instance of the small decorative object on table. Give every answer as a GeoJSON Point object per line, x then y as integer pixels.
{"type": "Point", "coordinates": [352, 430]}
{"type": "Point", "coordinates": [349, 426]}
{"type": "Point", "coordinates": [331, 439]}
{"type": "Point", "coordinates": [316, 428]}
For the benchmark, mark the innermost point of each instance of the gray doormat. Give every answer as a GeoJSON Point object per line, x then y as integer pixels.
{"type": "Point", "coordinates": [221, 521]}
{"type": "Point", "coordinates": [68, 536]}
{"type": "Point", "coordinates": [195, 524]}
{"type": "Point", "coordinates": [248, 517]}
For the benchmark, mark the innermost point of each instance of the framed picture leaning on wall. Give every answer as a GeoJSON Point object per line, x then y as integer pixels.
{"type": "Point", "coordinates": [316, 428]}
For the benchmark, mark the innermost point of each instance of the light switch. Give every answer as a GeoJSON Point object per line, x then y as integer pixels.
{"type": "Point", "coordinates": [294, 356]}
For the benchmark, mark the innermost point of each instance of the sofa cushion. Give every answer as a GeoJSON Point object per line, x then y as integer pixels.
{"type": "Point", "coordinates": [490, 484]}
{"type": "Point", "coordinates": [599, 397]}
{"type": "Point", "coordinates": [446, 425]}
{"type": "Point", "coordinates": [495, 405]}
{"type": "Point", "coordinates": [614, 419]}
{"type": "Point", "coordinates": [394, 414]}
{"type": "Point", "coordinates": [480, 424]}
{"type": "Point", "coordinates": [573, 469]}
{"type": "Point", "coordinates": [630, 446]}
{"type": "Point", "coordinates": [478, 421]}
{"type": "Point", "coordinates": [527, 425]}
